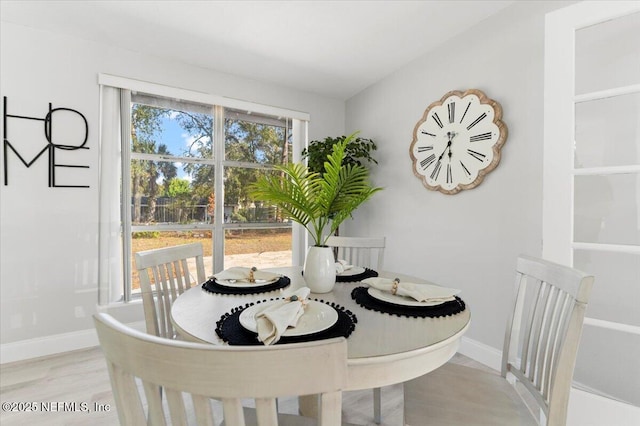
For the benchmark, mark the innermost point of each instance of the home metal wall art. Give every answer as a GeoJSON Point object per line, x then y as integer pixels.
{"type": "Point", "coordinates": [50, 147]}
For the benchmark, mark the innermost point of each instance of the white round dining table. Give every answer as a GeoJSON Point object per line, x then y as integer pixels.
{"type": "Point", "coordinates": [383, 349]}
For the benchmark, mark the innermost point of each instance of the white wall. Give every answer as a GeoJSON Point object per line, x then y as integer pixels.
{"type": "Point", "coordinates": [470, 240]}
{"type": "Point", "coordinates": [49, 247]}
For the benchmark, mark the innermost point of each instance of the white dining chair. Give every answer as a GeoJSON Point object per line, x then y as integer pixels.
{"type": "Point", "coordinates": [538, 359]}
{"type": "Point", "coordinates": [367, 252]}
{"type": "Point", "coordinates": [192, 373]}
{"type": "Point", "coordinates": [164, 275]}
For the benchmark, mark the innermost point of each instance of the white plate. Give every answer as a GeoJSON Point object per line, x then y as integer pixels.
{"type": "Point", "coordinates": [245, 283]}
{"type": "Point", "coordinates": [401, 300]}
{"type": "Point", "coordinates": [317, 317]}
{"type": "Point", "coordinates": [355, 270]}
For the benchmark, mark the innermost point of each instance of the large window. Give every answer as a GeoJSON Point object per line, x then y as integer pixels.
{"type": "Point", "coordinates": [186, 172]}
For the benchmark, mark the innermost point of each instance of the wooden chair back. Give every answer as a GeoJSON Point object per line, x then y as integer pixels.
{"type": "Point", "coordinates": [192, 373]}
{"type": "Point", "coordinates": [543, 332]}
{"type": "Point", "coordinates": [360, 251]}
{"type": "Point", "coordinates": [164, 275]}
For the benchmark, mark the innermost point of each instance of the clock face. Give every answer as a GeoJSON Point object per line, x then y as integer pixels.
{"type": "Point", "coordinates": [458, 141]}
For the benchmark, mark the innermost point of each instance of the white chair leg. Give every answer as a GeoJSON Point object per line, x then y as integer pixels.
{"type": "Point", "coordinates": [377, 409]}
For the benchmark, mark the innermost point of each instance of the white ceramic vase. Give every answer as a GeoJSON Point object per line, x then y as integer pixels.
{"type": "Point", "coordinates": [320, 269]}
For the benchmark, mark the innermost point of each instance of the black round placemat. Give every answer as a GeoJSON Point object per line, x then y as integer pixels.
{"type": "Point", "coordinates": [213, 287]}
{"type": "Point", "coordinates": [229, 329]}
{"type": "Point", "coordinates": [364, 299]}
{"type": "Point", "coordinates": [368, 273]}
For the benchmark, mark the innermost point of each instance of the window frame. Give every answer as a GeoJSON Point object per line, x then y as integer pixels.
{"type": "Point", "coordinates": [299, 134]}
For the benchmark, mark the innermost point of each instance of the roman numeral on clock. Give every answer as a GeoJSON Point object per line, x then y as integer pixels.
{"type": "Point", "coordinates": [475, 154]}
{"type": "Point", "coordinates": [427, 133]}
{"type": "Point", "coordinates": [425, 148]}
{"type": "Point", "coordinates": [465, 112]}
{"type": "Point", "coordinates": [437, 119]}
{"type": "Point", "coordinates": [449, 175]}
{"type": "Point", "coordinates": [477, 120]}
{"type": "Point", "coordinates": [465, 169]}
{"type": "Point", "coordinates": [427, 161]}
{"type": "Point", "coordinates": [480, 137]}
{"type": "Point", "coordinates": [452, 112]}
{"type": "Point", "coordinates": [436, 170]}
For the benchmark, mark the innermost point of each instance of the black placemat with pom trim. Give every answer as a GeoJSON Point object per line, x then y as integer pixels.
{"type": "Point", "coordinates": [213, 287]}
{"type": "Point", "coordinates": [364, 299]}
{"type": "Point", "coordinates": [368, 273]}
{"type": "Point", "coordinates": [229, 329]}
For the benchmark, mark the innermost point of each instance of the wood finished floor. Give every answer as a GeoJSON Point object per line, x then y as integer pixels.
{"type": "Point", "coordinates": [81, 377]}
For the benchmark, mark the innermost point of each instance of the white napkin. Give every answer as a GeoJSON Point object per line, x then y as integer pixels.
{"type": "Point", "coordinates": [342, 265]}
{"type": "Point", "coordinates": [277, 317]}
{"type": "Point", "coordinates": [242, 274]}
{"type": "Point", "coordinates": [419, 292]}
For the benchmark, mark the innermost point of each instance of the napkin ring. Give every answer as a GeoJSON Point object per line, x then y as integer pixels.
{"type": "Point", "coordinates": [295, 298]}
{"type": "Point", "coordinates": [251, 271]}
{"type": "Point", "coordinates": [394, 289]}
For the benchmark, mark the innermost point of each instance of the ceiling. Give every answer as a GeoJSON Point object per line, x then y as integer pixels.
{"type": "Point", "coordinates": [333, 48]}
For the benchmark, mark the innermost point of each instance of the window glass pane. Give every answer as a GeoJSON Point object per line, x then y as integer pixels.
{"type": "Point", "coordinates": [606, 209]}
{"type": "Point", "coordinates": [149, 240]}
{"type": "Point", "coordinates": [239, 206]}
{"type": "Point", "coordinates": [608, 132]}
{"type": "Point", "coordinates": [616, 274]}
{"type": "Point", "coordinates": [608, 54]}
{"type": "Point", "coordinates": [169, 192]}
{"type": "Point", "coordinates": [257, 139]}
{"type": "Point", "coordinates": [262, 248]}
{"type": "Point", "coordinates": [164, 131]}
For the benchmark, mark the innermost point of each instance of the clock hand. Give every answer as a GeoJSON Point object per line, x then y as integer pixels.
{"type": "Point", "coordinates": [445, 150]}
{"type": "Point", "coordinates": [450, 135]}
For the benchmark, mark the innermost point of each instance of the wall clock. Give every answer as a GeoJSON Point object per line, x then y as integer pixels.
{"type": "Point", "coordinates": [457, 141]}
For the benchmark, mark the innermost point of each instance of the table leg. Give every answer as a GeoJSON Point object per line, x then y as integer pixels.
{"type": "Point", "coordinates": [377, 409]}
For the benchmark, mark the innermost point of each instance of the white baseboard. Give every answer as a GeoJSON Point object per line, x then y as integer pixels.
{"type": "Point", "coordinates": [51, 345]}
{"type": "Point", "coordinates": [484, 354]}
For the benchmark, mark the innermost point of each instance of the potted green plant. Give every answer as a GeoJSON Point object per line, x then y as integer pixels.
{"type": "Point", "coordinates": [319, 202]}
{"type": "Point", "coordinates": [357, 151]}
